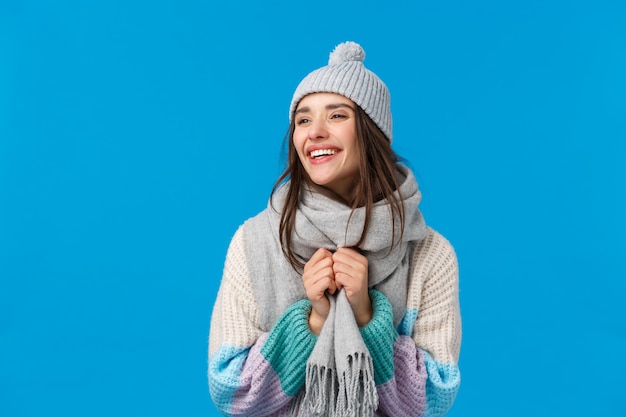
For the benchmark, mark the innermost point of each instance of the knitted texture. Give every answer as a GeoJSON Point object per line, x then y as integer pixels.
{"type": "Point", "coordinates": [324, 222]}
{"type": "Point", "coordinates": [290, 340]}
{"type": "Point", "coordinates": [345, 74]}
{"type": "Point", "coordinates": [436, 298]}
{"type": "Point", "coordinates": [340, 374]}
{"type": "Point", "coordinates": [248, 376]}
{"type": "Point", "coordinates": [379, 335]}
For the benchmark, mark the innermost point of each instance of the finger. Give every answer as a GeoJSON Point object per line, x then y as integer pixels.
{"type": "Point", "coordinates": [320, 254]}
{"type": "Point", "coordinates": [349, 267]}
{"type": "Point", "coordinates": [332, 287]}
{"type": "Point", "coordinates": [317, 290]}
{"type": "Point", "coordinates": [318, 280]}
{"type": "Point", "coordinates": [351, 274]}
{"type": "Point", "coordinates": [349, 255]}
{"type": "Point", "coordinates": [323, 268]}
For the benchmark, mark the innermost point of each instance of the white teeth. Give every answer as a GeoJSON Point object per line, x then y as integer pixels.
{"type": "Point", "coordinates": [322, 152]}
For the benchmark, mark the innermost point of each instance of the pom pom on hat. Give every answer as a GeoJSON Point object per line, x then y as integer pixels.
{"type": "Point", "coordinates": [345, 74]}
{"type": "Point", "coordinates": [346, 52]}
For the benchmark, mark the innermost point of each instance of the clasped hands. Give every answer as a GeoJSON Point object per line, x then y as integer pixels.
{"type": "Point", "coordinates": [327, 272]}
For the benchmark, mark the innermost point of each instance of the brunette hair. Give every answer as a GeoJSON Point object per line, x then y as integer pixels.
{"type": "Point", "coordinates": [377, 180]}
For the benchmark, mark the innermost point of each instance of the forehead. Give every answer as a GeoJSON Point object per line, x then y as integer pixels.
{"type": "Point", "coordinates": [323, 99]}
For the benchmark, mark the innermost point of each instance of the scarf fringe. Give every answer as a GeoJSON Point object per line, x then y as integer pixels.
{"type": "Point", "coordinates": [351, 394]}
{"type": "Point", "coordinates": [357, 394]}
{"type": "Point", "coordinates": [320, 398]}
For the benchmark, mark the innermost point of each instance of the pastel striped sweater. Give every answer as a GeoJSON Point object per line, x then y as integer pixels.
{"type": "Point", "coordinates": [257, 373]}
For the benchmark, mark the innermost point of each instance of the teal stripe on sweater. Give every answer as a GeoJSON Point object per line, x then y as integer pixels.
{"type": "Point", "coordinates": [379, 336]}
{"type": "Point", "coordinates": [289, 346]}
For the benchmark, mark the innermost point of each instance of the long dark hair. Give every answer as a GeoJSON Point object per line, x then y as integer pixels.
{"type": "Point", "coordinates": [377, 180]}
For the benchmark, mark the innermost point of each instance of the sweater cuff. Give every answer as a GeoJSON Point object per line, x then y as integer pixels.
{"type": "Point", "coordinates": [379, 336]}
{"type": "Point", "coordinates": [289, 345]}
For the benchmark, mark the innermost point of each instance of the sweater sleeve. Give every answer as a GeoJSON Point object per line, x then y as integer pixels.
{"type": "Point", "coordinates": [416, 364]}
{"type": "Point", "coordinates": [251, 372]}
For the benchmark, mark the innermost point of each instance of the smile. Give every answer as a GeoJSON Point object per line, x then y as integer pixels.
{"type": "Point", "coordinates": [319, 153]}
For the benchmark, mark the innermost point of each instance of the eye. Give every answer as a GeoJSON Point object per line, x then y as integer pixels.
{"type": "Point", "coordinates": [302, 120]}
{"type": "Point", "coordinates": [338, 116]}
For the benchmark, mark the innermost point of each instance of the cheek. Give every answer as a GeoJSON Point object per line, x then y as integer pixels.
{"type": "Point", "coordinates": [297, 138]}
{"type": "Point", "coordinates": [353, 162]}
{"type": "Point", "coordinates": [353, 152]}
{"type": "Point", "coordinates": [298, 143]}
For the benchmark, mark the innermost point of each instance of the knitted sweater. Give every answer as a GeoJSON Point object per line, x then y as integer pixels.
{"type": "Point", "coordinates": [253, 372]}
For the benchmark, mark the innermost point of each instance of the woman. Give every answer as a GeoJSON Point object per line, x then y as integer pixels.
{"type": "Point", "coordinates": [337, 299]}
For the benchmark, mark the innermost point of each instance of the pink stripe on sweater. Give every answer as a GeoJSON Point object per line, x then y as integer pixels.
{"type": "Point", "coordinates": [260, 393]}
{"type": "Point", "coordinates": [405, 393]}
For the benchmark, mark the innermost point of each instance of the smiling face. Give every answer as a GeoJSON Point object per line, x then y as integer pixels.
{"type": "Point", "coordinates": [325, 139]}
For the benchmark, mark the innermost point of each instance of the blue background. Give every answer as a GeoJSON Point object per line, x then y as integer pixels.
{"type": "Point", "coordinates": [135, 136]}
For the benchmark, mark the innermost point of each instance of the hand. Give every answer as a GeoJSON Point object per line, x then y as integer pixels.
{"type": "Point", "coordinates": [319, 277]}
{"type": "Point", "coordinates": [350, 272]}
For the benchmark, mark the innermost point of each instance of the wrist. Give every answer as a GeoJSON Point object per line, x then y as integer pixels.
{"type": "Point", "coordinates": [364, 316]}
{"type": "Point", "coordinates": [316, 322]}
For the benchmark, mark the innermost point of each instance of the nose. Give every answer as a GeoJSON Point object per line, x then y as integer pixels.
{"type": "Point", "coordinates": [317, 130]}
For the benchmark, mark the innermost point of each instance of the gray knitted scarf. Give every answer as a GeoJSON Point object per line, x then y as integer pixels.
{"type": "Point", "coordinates": [339, 373]}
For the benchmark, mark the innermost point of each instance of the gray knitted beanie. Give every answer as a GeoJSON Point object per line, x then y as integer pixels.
{"type": "Point", "coordinates": [345, 74]}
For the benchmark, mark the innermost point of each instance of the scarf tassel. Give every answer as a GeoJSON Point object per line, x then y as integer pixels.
{"type": "Point", "coordinates": [351, 394]}
{"type": "Point", "coordinates": [357, 394]}
{"type": "Point", "coordinates": [320, 398]}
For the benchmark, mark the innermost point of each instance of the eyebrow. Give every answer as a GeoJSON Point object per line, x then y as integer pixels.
{"type": "Point", "coordinates": [328, 107]}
